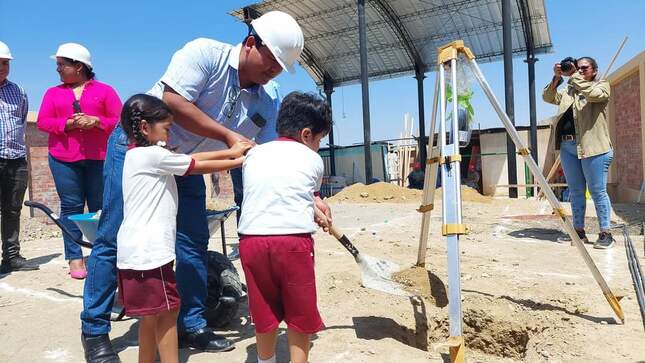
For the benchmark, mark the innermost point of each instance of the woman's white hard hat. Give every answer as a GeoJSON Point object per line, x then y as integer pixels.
{"type": "Point", "coordinates": [74, 51]}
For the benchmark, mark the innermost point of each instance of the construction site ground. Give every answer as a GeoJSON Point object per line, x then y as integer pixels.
{"type": "Point", "coordinates": [527, 295]}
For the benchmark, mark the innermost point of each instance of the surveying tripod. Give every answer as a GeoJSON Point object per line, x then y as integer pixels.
{"type": "Point", "coordinates": [446, 155]}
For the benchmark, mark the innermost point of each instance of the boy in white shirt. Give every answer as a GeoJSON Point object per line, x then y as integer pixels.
{"type": "Point", "coordinates": [281, 180]}
{"type": "Point", "coordinates": [146, 238]}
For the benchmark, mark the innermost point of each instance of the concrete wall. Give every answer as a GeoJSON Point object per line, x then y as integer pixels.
{"type": "Point", "coordinates": [350, 162]}
{"type": "Point", "coordinates": [626, 113]}
{"type": "Point", "coordinates": [494, 167]}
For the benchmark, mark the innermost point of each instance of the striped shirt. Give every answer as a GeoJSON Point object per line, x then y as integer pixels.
{"type": "Point", "coordinates": [13, 118]}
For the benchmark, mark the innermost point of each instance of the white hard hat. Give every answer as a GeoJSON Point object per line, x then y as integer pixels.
{"type": "Point", "coordinates": [4, 51]}
{"type": "Point", "coordinates": [74, 52]}
{"type": "Point", "coordinates": [282, 34]}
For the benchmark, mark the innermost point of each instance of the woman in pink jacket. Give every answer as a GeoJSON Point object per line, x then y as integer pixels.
{"type": "Point", "coordinates": [78, 115]}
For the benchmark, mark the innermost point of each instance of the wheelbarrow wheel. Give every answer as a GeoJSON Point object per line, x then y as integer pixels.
{"type": "Point", "coordinates": [225, 291]}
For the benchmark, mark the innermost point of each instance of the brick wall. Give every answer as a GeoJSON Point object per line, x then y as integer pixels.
{"type": "Point", "coordinates": [628, 149]}
{"type": "Point", "coordinates": [41, 182]}
{"type": "Point", "coordinates": [219, 190]}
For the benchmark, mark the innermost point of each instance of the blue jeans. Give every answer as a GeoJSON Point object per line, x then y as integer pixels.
{"type": "Point", "coordinates": [586, 173]}
{"type": "Point", "coordinates": [77, 183]}
{"type": "Point", "coordinates": [191, 246]}
{"type": "Point", "coordinates": [190, 250]}
{"type": "Point", "coordinates": [100, 283]}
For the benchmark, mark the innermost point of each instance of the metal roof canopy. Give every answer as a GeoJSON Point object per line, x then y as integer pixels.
{"type": "Point", "coordinates": [403, 37]}
{"type": "Point", "coordinates": [402, 34]}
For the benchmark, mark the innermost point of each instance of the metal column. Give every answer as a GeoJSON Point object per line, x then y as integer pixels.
{"type": "Point", "coordinates": [508, 87]}
{"type": "Point", "coordinates": [530, 60]}
{"type": "Point", "coordinates": [423, 139]}
{"type": "Point", "coordinates": [329, 89]}
{"type": "Point", "coordinates": [362, 36]}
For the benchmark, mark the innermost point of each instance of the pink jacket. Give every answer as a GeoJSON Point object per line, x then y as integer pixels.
{"type": "Point", "coordinates": [98, 99]}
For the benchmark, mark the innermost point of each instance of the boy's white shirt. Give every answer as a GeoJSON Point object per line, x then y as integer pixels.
{"type": "Point", "coordinates": [280, 178]}
{"type": "Point", "coordinates": [147, 235]}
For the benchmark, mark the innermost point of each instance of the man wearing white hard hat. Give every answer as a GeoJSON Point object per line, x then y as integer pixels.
{"type": "Point", "coordinates": [13, 166]}
{"type": "Point", "coordinates": [219, 94]}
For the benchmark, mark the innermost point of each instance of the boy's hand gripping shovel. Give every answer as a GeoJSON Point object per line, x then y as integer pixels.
{"type": "Point", "coordinates": [375, 273]}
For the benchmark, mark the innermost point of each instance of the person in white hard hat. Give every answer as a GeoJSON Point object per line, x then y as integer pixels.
{"type": "Point", "coordinates": [13, 165]}
{"type": "Point", "coordinates": [219, 94]}
{"type": "Point", "coordinates": [78, 115]}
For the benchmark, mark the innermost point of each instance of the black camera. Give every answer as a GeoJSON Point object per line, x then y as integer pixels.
{"type": "Point", "coordinates": [568, 64]}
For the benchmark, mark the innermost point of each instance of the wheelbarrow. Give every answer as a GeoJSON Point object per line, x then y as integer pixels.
{"type": "Point", "coordinates": [225, 289]}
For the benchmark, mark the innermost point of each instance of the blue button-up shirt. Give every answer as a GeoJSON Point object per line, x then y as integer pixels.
{"type": "Point", "coordinates": [13, 118]}
{"type": "Point", "coordinates": [205, 72]}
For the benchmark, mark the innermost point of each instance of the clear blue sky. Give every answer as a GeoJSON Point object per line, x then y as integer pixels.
{"type": "Point", "coordinates": [132, 41]}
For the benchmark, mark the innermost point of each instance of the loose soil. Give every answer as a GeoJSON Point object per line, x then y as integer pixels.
{"type": "Point", "coordinates": [526, 295]}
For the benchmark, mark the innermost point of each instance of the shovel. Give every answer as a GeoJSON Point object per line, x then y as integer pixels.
{"type": "Point", "coordinates": [375, 273]}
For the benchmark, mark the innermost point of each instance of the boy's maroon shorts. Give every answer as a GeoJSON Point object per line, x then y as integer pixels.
{"type": "Point", "coordinates": [279, 273]}
{"type": "Point", "coordinates": [148, 292]}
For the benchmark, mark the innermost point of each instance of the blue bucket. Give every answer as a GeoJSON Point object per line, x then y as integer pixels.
{"type": "Point", "coordinates": [88, 223]}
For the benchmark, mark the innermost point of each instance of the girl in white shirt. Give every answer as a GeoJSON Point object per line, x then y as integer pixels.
{"type": "Point", "coordinates": [146, 238]}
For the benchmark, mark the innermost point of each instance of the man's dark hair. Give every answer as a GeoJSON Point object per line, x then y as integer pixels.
{"type": "Point", "coordinates": [303, 110]}
{"type": "Point", "coordinates": [254, 34]}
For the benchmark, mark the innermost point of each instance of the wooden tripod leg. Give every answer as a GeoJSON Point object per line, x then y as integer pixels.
{"type": "Point", "coordinates": [554, 168]}
{"type": "Point", "coordinates": [429, 181]}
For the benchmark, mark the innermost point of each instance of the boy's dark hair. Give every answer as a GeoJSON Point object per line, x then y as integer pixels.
{"type": "Point", "coordinates": [87, 71]}
{"type": "Point", "coordinates": [142, 107]}
{"type": "Point", "coordinates": [303, 110]}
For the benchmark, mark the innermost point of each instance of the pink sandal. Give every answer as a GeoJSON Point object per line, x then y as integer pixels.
{"type": "Point", "coordinates": [78, 274]}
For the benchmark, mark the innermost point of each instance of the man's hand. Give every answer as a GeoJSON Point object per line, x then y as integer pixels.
{"type": "Point", "coordinates": [322, 214]}
{"type": "Point", "coordinates": [233, 137]}
{"type": "Point", "coordinates": [240, 148]}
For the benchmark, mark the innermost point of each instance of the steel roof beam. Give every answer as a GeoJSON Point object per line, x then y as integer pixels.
{"type": "Point", "coordinates": [401, 32]}
{"type": "Point", "coordinates": [434, 11]}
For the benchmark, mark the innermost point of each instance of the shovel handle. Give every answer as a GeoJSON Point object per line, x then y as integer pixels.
{"type": "Point", "coordinates": [344, 241]}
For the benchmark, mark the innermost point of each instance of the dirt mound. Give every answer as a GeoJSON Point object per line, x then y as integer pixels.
{"type": "Point", "coordinates": [391, 193]}
{"type": "Point", "coordinates": [468, 194]}
{"type": "Point", "coordinates": [377, 193]}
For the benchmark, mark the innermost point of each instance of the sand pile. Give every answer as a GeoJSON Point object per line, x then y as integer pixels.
{"type": "Point", "coordinates": [392, 193]}
{"type": "Point", "coordinates": [377, 193]}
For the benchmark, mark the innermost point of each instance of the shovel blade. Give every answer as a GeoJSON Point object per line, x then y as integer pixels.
{"type": "Point", "coordinates": [377, 274]}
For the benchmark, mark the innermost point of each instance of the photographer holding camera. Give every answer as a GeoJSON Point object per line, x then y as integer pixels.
{"type": "Point", "coordinates": [581, 133]}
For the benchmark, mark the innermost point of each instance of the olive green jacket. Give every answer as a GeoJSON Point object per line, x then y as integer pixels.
{"type": "Point", "coordinates": [590, 101]}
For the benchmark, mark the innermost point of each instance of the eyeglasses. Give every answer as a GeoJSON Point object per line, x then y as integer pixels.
{"type": "Point", "coordinates": [584, 68]}
{"type": "Point", "coordinates": [231, 101]}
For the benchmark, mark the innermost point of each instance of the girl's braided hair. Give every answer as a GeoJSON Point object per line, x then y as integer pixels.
{"type": "Point", "coordinates": [138, 108]}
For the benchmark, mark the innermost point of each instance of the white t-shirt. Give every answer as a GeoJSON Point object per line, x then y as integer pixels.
{"type": "Point", "coordinates": [146, 239]}
{"type": "Point", "coordinates": [280, 178]}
